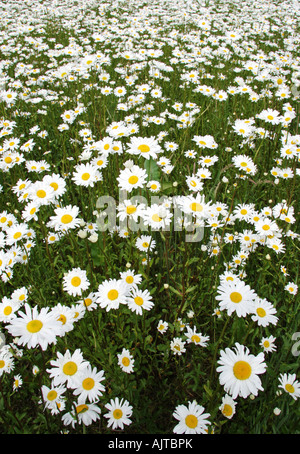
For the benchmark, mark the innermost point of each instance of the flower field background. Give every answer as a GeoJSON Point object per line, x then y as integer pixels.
{"type": "Point", "coordinates": [191, 323]}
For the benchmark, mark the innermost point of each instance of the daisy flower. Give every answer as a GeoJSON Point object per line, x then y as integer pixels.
{"type": "Point", "coordinates": [227, 407]}
{"type": "Point", "coordinates": [75, 282]}
{"type": "Point", "coordinates": [292, 288]}
{"type": "Point", "coordinates": [270, 116]}
{"type": "Point", "coordinates": [145, 243]}
{"type": "Point", "coordinates": [119, 413]}
{"type": "Point", "coordinates": [84, 413]}
{"type": "Point", "coordinates": [16, 233]}
{"type": "Point", "coordinates": [52, 395]}
{"type": "Point", "coordinates": [86, 175]}
{"type": "Point", "coordinates": [196, 338]}
{"type": "Point", "coordinates": [126, 361]}
{"type": "Point", "coordinates": [154, 186]}
{"type": "Point", "coordinates": [65, 315]}
{"type": "Point", "coordinates": [130, 210]}
{"type": "Point", "coordinates": [57, 182]}
{"type": "Point", "coordinates": [88, 386]}
{"type": "Point", "coordinates": [191, 419]}
{"type": "Point", "coordinates": [162, 326]}
{"type": "Point", "coordinates": [111, 293]}
{"type": "Point", "coordinates": [67, 367]}
{"type": "Point", "coordinates": [34, 328]}
{"type": "Point", "coordinates": [132, 178]}
{"type": "Point", "coordinates": [146, 147]}
{"type": "Point", "coordinates": [235, 296]}
{"type": "Point", "coordinates": [157, 216]}
{"type": "Point", "coordinates": [264, 313]}
{"type": "Point", "coordinates": [138, 300]}
{"type": "Point", "coordinates": [8, 309]}
{"type": "Point", "coordinates": [266, 227]}
{"type": "Point", "coordinates": [239, 371]}
{"type": "Point", "coordinates": [177, 346]}
{"type": "Point", "coordinates": [41, 193]}
{"type": "Point", "coordinates": [7, 363]}
{"type": "Point", "coordinates": [290, 385]}
{"type": "Point", "coordinates": [268, 344]}
{"type": "Point", "coordinates": [194, 183]}
{"type": "Point", "coordinates": [130, 278]}
{"type": "Point", "coordinates": [206, 141]}
{"type": "Point", "coordinates": [17, 382]}
{"type": "Point", "coordinates": [65, 218]}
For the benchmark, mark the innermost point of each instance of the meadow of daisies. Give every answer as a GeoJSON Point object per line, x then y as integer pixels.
{"type": "Point", "coordinates": [149, 243]}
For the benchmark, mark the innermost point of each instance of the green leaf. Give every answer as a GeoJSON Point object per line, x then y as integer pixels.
{"type": "Point", "coordinates": [175, 291]}
{"type": "Point", "coordinates": [152, 169]}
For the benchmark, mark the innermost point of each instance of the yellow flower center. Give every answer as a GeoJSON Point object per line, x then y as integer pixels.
{"type": "Point", "coordinates": [70, 368]}
{"type": "Point", "coordinates": [85, 176]}
{"type": "Point", "coordinates": [227, 410]}
{"type": "Point", "coordinates": [261, 312]}
{"type": "Point", "coordinates": [138, 300]}
{"type": "Point", "coordinates": [34, 326]}
{"type": "Point", "coordinates": [41, 193]}
{"type": "Point", "coordinates": [88, 383]}
{"type": "Point", "coordinates": [75, 281]}
{"type": "Point", "coordinates": [191, 421]}
{"type": "Point", "coordinates": [81, 408]}
{"type": "Point", "coordinates": [7, 310]}
{"type": "Point", "coordinates": [117, 413]}
{"type": "Point", "coordinates": [144, 148]}
{"type": "Point", "coordinates": [125, 361]}
{"type": "Point", "coordinates": [129, 279]}
{"type": "Point", "coordinates": [62, 318]}
{"type": "Point", "coordinates": [133, 179]}
{"type": "Point", "coordinates": [156, 218]}
{"type": "Point", "coordinates": [112, 295]}
{"type": "Point", "coordinates": [17, 235]}
{"type": "Point", "coordinates": [196, 207]}
{"type": "Point", "coordinates": [66, 219]}
{"type": "Point", "coordinates": [130, 209]}
{"type": "Point", "coordinates": [195, 338]}
{"type": "Point", "coordinates": [289, 388]}
{"type": "Point", "coordinates": [242, 370]}
{"type": "Point", "coordinates": [236, 297]}
{"type": "Point", "coordinates": [52, 395]}
{"type": "Point", "coordinates": [87, 302]}
{"type": "Point", "coordinates": [54, 186]}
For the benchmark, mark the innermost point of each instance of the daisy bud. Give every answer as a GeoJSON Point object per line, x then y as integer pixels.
{"type": "Point", "coordinates": [277, 411]}
{"type": "Point", "coordinates": [82, 234]}
{"type": "Point", "coordinates": [93, 238]}
{"type": "Point", "coordinates": [166, 286]}
{"type": "Point", "coordinates": [128, 164]}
